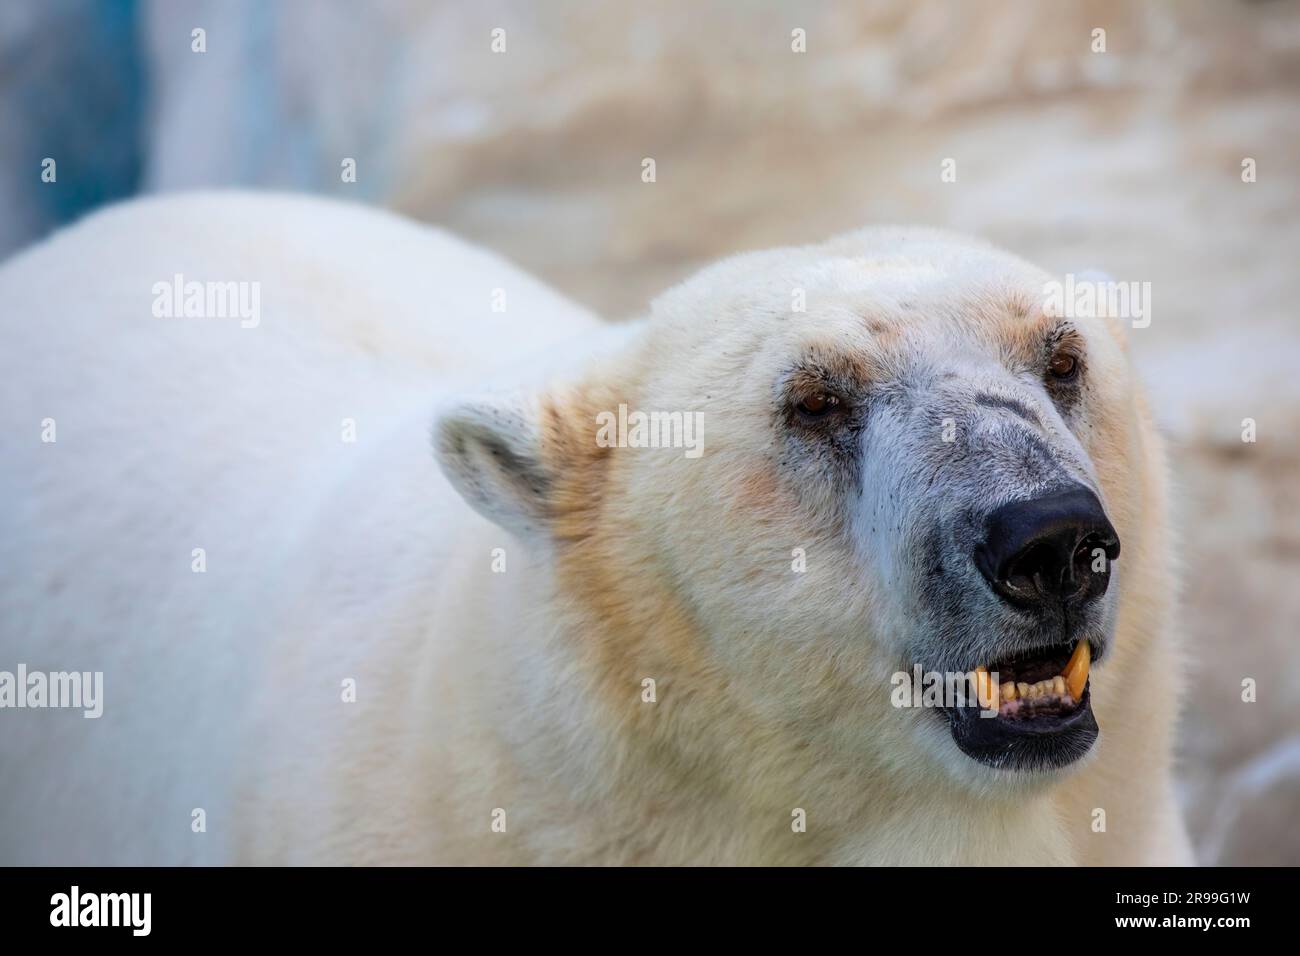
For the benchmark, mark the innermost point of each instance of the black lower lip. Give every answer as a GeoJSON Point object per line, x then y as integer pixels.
{"type": "Point", "coordinates": [1039, 743]}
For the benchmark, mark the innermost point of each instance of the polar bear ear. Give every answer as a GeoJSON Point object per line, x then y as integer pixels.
{"type": "Point", "coordinates": [490, 451]}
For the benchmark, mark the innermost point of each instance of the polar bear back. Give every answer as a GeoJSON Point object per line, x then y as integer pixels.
{"type": "Point", "coordinates": [153, 536]}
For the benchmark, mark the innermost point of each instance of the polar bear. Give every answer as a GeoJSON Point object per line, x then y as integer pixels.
{"type": "Point", "coordinates": [370, 539]}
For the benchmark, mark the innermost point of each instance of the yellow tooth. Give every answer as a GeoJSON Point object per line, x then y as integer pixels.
{"type": "Point", "coordinates": [1076, 671]}
{"type": "Point", "coordinates": [1058, 685]}
{"type": "Point", "coordinates": [986, 688]}
{"type": "Point", "coordinates": [1009, 690]}
{"type": "Point", "coordinates": [1023, 689]}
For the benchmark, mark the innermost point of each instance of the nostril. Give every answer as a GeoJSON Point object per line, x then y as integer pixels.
{"type": "Point", "coordinates": [1096, 551]}
{"type": "Point", "coordinates": [1038, 568]}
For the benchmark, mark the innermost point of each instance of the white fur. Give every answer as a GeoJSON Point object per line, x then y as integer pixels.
{"type": "Point", "coordinates": [183, 433]}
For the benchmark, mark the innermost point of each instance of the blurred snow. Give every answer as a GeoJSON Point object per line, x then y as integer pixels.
{"type": "Point", "coordinates": [1128, 161]}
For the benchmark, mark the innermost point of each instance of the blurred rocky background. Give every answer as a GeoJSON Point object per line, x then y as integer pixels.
{"type": "Point", "coordinates": [1128, 160]}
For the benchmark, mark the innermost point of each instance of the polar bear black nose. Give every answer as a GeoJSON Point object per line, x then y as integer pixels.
{"type": "Point", "coordinates": [1048, 550]}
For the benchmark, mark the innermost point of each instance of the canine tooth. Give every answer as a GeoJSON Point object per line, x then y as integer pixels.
{"type": "Point", "coordinates": [986, 688]}
{"type": "Point", "coordinates": [1058, 685]}
{"type": "Point", "coordinates": [1076, 671]}
{"type": "Point", "coordinates": [1009, 690]}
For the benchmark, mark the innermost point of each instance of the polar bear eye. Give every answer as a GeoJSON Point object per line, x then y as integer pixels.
{"type": "Point", "coordinates": [1063, 366]}
{"type": "Point", "coordinates": [819, 405]}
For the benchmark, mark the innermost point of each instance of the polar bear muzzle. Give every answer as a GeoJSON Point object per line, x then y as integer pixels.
{"type": "Point", "coordinates": [1050, 557]}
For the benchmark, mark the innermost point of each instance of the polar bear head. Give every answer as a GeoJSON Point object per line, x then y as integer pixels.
{"type": "Point", "coordinates": [815, 472]}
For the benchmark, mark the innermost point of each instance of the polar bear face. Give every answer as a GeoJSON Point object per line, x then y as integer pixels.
{"type": "Point", "coordinates": [904, 462]}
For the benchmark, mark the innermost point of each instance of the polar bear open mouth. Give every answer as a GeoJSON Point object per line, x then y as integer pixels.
{"type": "Point", "coordinates": [1044, 710]}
